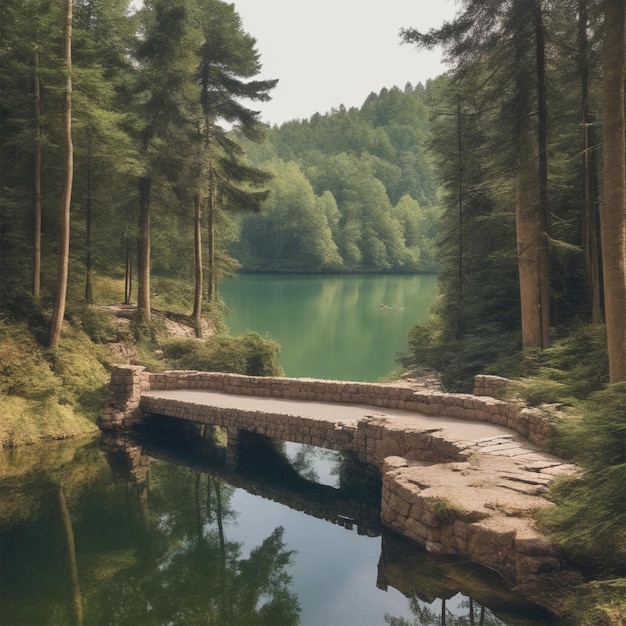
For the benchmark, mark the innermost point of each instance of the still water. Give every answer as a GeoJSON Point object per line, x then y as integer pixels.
{"type": "Point", "coordinates": [162, 529]}
{"type": "Point", "coordinates": [331, 326]}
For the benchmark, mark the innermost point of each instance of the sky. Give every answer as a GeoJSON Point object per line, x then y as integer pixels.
{"type": "Point", "coordinates": [326, 53]}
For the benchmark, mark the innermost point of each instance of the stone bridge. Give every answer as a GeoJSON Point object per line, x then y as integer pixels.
{"type": "Point", "coordinates": [462, 473]}
{"type": "Point", "coordinates": [347, 505]}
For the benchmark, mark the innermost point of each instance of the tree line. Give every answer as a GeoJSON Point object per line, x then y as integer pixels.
{"type": "Point", "coordinates": [117, 148]}
{"type": "Point", "coordinates": [353, 190]}
{"type": "Point", "coordinates": [528, 133]}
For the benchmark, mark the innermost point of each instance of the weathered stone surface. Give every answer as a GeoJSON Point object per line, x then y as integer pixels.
{"type": "Point", "coordinates": [487, 483]}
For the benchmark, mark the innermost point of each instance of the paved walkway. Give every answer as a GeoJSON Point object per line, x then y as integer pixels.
{"type": "Point", "coordinates": [521, 466]}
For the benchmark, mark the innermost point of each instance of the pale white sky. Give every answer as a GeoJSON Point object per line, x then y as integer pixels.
{"type": "Point", "coordinates": [331, 52]}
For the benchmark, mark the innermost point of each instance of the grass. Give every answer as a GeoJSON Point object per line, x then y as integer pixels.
{"type": "Point", "coordinates": [48, 394]}
{"type": "Point", "coordinates": [599, 603]}
{"type": "Point", "coordinates": [445, 511]}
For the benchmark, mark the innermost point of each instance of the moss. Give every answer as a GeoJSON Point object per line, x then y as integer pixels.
{"type": "Point", "coordinates": [48, 394]}
{"type": "Point", "coordinates": [26, 421]}
{"type": "Point", "coordinates": [599, 603]}
{"type": "Point", "coordinates": [445, 512]}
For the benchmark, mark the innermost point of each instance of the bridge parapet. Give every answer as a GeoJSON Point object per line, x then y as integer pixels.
{"type": "Point", "coordinates": [127, 383]}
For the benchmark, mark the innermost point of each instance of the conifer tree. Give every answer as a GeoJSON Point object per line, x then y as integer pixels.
{"type": "Point", "coordinates": [613, 205]}
{"type": "Point", "coordinates": [228, 62]}
{"type": "Point", "coordinates": [165, 92]}
{"type": "Point", "coordinates": [64, 243]}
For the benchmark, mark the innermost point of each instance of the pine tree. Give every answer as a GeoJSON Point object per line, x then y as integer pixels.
{"type": "Point", "coordinates": [166, 92]}
{"type": "Point", "coordinates": [228, 57]}
{"type": "Point", "coordinates": [613, 206]}
{"type": "Point", "coordinates": [58, 312]}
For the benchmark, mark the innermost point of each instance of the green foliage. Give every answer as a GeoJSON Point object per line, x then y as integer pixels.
{"type": "Point", "coordinates": [375, 192]}
{"type": "Point", "coordinates": [48, 395]}
{"type": "Point", "coordinates": [598, 603]}
{"type": "Point", "coordinates": [570, 370]}
{"type": "Point", "coordinates": [97, 325]}
{"type": "Point", "coordinates": [24, 370]}
{"type": "Point", "coordinates": [250, 353]}
{"type": "Point", "coordinates": [590, 519]}
{"type": "Point", "coordinates": [488, 351]}
{"type": "Point", "coordinates": [445, 512]}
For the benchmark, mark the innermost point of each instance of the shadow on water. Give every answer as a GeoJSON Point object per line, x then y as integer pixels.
{"type": "Point", "coordinates": [440, 590]}
{"type": "Point", "coordinates": [152, 529]}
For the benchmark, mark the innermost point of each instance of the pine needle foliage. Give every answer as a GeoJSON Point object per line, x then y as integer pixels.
{"type": "Point", "coordinates": [590, 519]}
{"type": "Point", "coordinates": [568, 372]}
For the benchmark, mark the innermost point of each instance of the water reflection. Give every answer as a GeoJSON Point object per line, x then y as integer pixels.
{"type": "Point", "coordinates": [331, 326]}
{"type": "Point", "coordinates": [163, 530]}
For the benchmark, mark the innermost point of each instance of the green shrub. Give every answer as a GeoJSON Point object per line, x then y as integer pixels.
{"type": "Point", "coordinates": [250, 353]}
{"type": "Point", "coordinates": [568, 371]}
{"type": "Point", "coordinates": [590, 519]}
{"type": "Point", "coordinates": [445, 512]}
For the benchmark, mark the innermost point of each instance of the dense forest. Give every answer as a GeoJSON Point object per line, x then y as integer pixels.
{"type": "Point", "coordinates": [353, 190]}
{"type": "Point", "coordinates": [528, 135]}
{"type": "Point", "coordinates": [116, 147]}
{"type": "Point", "coordinates": [131, 153]}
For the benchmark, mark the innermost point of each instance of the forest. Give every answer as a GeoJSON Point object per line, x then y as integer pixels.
{"type": "Point", "coordinates": [353, 191]}
{"type": "Point", "coordinates": [134, 167]}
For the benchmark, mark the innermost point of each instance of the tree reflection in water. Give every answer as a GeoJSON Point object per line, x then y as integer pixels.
{"type": "Point", "coordinates": [425, 615]}
{"type": "Point", "coordinates": [188, 572]}
{"type": "Point", "coordinates": [147, 535]}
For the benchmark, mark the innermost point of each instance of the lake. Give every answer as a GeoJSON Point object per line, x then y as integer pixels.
{"type": "Point", "coordinates": [331, 326]}
{"type": "Point", "coordinates": [157, 529]}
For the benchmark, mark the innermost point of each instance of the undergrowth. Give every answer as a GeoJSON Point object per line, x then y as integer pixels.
{"type": "Point", "coordinates": [590, 519]}
{"type": "Point", "coordinates": [251, 353]}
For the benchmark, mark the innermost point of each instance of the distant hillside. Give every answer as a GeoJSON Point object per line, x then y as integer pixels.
{"type": "Point", "coordinates": [354, 190]}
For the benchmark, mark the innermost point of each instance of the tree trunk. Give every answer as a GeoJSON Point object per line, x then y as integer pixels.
{"type": "Point", "coordinates": [613, 205]}
{"type": "Point", "coordinates": [128, 274]}
{"type": "Point", "coordinates": [211, 237]}
{"type": "Point", "coordinates": [459, 138]}
{"type": "Point", "coordinates": [64, 235]}
{"type": "Point", "coordinates": [197, 301]}
{"type": "Point", "coordinates": [542, 154]}
{"type": "Point", "coordinates": [529, 235]}
{"type": "Point", "coordinates": [590, 184]}
{"type": "Point", "coordinates": [143, 250]}
{"type": "Point", "coordinates": [37, 181]}
{"type": "Point", "coordinates": [88, 263]}
{"type": "Point", "coordinates": [531, 183]}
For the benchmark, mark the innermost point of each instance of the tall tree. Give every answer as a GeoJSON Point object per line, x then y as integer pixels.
{"type": "Point", "coordinates": [105, 154]}
{"type": "Point", "coordinates": [590, 233]}
{"type": "Point", "coordinates": [64, 238]}
{"type": "Point", "coordinates": [613, 205]}
{"type": "Point", "coordinates": [229, 59]}
{"type": "Point", "coordinates": [507, 40]}
{"type": "Point", "coordinates": [168, 58]}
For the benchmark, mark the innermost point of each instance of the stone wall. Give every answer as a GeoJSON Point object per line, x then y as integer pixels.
{"type": "Point", "coordinates": [506, 543]}
{"type": "Point", "coordinates": [127, 381]}
{"type": "Point", "coordinates": [371, 439]}
{"type": "Point", "coordinates": [122, 408]}
{"type": "Point", "coordinates": [503, 541]}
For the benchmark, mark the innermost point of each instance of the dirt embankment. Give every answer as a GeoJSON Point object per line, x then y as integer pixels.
{"type": "Point", "coordinates": [175, 325]}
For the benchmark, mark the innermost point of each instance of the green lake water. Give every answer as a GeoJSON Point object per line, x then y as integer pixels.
{"type": "Point", "coordinates": [331, 326]}
{"type": "Point", "coordinates": [158, 528]}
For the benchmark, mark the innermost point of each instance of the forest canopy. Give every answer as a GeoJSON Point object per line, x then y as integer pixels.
{"type": "Point", "coordinates": [353, 190]}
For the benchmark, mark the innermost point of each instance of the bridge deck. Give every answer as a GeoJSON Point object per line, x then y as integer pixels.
{"type": "Point", "coordinates": [454, 430]}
